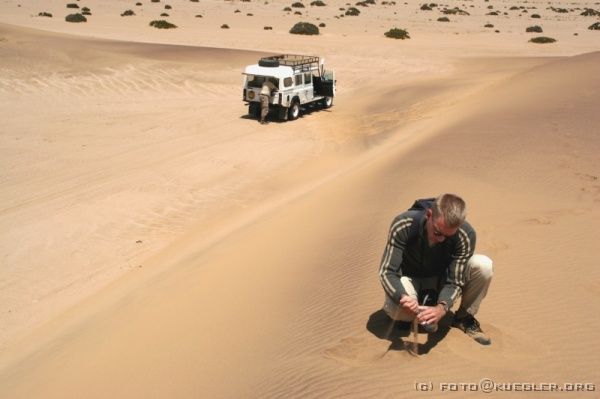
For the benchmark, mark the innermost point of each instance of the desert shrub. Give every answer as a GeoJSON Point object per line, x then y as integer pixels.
{"type": "Point", "coordinates": [488, 26]}
{"type": "Point", "coordinates": [127, 13]}
{"type": "Point", "coordinates": [297, 13]}
{"type": "Point", "coordinates": [426, 7]}
{"type": "Point", "coordinates": [362, 4]}
{"type": "Point", "coordinates": [224, 26]}
{"type": "Point", "coordinates": [352, 11]}
{"type": "Point", "coordinates": [287, 9]}
{"type": "Point", "coordinates": [443, 19]}
{"type": "Point", "coordinates": [162, 24]}
{"type": "Point", "coordinates": [249, 14]}
{"type": "Point", "coordinates": [236, 11]}
{"type": "Point", "coordinates": [542, 39]}
{"type": "Point", "coordinates": [535, 16]}
{"type": "Point", "coordinates": [514, 8]}
{"type": "Point", "coordinates": [590, 12]}
{"type": "Point", "coordinates": [199, 16]}
{"type": "Point", "coordinates": [535, 28]}
{"type": "Point", "coordinates": [318, 3]}
{"type": "Point", "coordinates": [492, 13]}
{"type": "Point", "coordinates": [72, 5]}
{"type": "Point", "coordinates": [45, 14]}
{"type": "Point", "coordinates": [194, 1]}
{"type": "Point", "coordinates": [559, 10]}
{"type": "Point", "coordinates": [454, 11]}
{"type": "Point", "coordinates": [168, 7]}
{"type": "Point", "coordinates": [304, 28]}
{"type": "Point", "coordinates": [86, 13]}
{"type": "Point", "coordinates": [86, 9]}
{"type": "Point", "coordinates": [322, 25]}
{"type": "Point", "coordinates": [138, 4]}
{"type": "Point", "coordinates": [298, 5]}
{"type": "Point", "coordinates": [164, 14]}
{"type": "Point", "coordinates": [155, 1]}
{"type": "Point", "coordinates": [594, 26]}
{"type": "Point", "coordinates": [396, 33]}
{"type": "Point", "coordinates": [75, 18]}
{"type": "Point", "coordinates": [268, 28]}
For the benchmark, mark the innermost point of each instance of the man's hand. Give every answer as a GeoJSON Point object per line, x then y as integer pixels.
{"type": "Point", "coordinates": [409, 303]}
{"type": "Point", "coordinates": [430, 314]}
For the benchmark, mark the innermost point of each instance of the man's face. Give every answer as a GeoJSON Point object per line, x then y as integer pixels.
{"type": "Point", "coordinates": [437, 231]}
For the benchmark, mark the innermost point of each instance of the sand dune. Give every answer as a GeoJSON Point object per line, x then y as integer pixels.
{"type": "Point", "coordinates": [156, 242]}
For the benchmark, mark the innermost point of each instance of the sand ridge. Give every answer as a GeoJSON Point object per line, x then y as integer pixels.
{"type": "Point", "coordinates": [157, 242]}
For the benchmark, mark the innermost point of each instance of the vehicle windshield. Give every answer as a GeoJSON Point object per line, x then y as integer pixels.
{"type": "Point", "coordinates": [257, 81]}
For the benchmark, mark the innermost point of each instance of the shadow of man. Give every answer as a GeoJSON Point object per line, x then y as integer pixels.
{"type": "Point", "coordinates": [398, 332]}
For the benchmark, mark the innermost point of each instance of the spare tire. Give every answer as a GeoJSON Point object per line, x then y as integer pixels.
{"type": "Point", "coordinates": [265, 62]}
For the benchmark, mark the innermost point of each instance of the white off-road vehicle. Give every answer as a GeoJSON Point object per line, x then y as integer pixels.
{"type": "Point", "coordinates": [300, 81]}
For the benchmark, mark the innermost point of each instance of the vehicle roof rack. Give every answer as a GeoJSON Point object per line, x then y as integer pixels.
{"type": "Point", "coordinates": [300, 63]}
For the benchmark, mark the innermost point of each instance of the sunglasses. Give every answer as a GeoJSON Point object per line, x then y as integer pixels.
{"type": "Point", "coordinates": [437, 232]}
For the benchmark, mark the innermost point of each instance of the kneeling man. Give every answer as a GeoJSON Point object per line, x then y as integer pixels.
{"type": "Point", "coordinates": [431, 249]}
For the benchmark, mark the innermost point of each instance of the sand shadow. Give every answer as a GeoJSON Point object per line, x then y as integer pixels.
{"type": "Point", "coordinates": [305, 110]}
{"type": "Point", "coordinates": [399, 334]}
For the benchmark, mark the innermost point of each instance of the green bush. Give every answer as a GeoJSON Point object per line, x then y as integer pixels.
{"type": "Point", "coordinates": [396, 33]}
{"type": "Point", "coordinates": [352, 11]}
{"type": "Point", "coordinates": [535, 28]}
{"type": "Point", "coordinates": [45, 14]}
{"type": "Point", "coordinates": [75, 18]}
{"type": "Point", "coordinates": [542, 39]}
{"type": "Point", "coordinates": [298, 5]}
{"type": "Point", "coordinates": [594, 26]}
{"type": "Point", "coordinates": [443, 19]}
{"type": "Point", "coordinates": [127, 13]}
{"type": "Point", "coordinates": [162, 24]}
{"type": "Point", "coordinates": [304, 28]}
{"type": "Point", "coordinates": [72, 5]}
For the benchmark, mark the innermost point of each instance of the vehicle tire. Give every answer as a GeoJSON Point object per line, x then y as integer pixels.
{"type": "Point", "coordinates": [327, 102]}
{"type": "Point", "coordinates": [282, 113]}
{"type": "Point", "coordinates": [294, 110]}
{"type": "Point", "coordinates": [268, 63]}
{"type": "Point", "coordinates": [254, 110]}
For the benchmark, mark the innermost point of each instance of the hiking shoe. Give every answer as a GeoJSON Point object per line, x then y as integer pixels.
{"type": "Point", "coordinates": [470, 326]}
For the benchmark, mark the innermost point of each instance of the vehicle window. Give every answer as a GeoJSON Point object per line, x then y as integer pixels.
{"type": "Point", "coordinates": [307, 78]}
{"type": "Point", "coordinates": [287, 82]}
{"type": "Point", "coordinates": [256, 81]}
{"type": "Point", "coordinates": [298, 80]}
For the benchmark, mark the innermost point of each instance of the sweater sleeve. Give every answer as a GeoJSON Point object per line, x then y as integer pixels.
{"type": "Point", "coordinates": [457, 270]}
{"type": "Point", "coordinates": [390, 269]}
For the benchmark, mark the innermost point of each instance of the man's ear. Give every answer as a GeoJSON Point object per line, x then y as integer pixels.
{"type": "Point", "coordinates": [428, 213]}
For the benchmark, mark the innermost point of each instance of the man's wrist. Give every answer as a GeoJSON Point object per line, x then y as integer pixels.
{"type": "Point", "coordinates": [444, 306]}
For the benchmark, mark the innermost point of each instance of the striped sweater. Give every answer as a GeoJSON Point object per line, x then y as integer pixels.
{"type": "Point", "coordinates": [408, 253]}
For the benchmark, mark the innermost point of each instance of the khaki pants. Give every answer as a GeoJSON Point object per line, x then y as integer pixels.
{"type": "Point", "coordinates": [264, 106]}
{"type": "Point", "coordinates": [478, 282]}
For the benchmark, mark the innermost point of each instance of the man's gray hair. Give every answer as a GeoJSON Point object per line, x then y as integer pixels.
{"type": "Point", "coordinates": [451, 207]}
